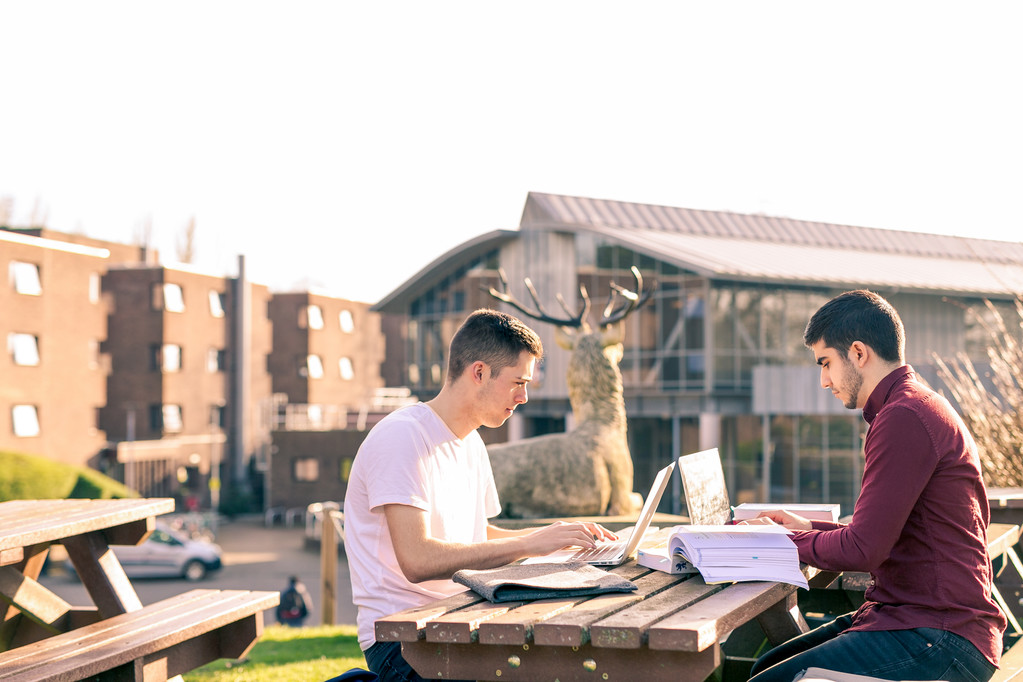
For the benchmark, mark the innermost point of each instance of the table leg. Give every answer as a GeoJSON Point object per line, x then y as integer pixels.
{"type": "Point", "coordinates": [783, 621]}
{"type": "Point", "coordinates": [101, 574]}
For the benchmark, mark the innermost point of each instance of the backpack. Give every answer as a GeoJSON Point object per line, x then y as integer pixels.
{"type": "Point", "coordinates": [292, 605]}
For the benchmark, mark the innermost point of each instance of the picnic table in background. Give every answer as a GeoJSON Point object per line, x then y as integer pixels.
{"type": "Point", "coordinates": [42, 637]}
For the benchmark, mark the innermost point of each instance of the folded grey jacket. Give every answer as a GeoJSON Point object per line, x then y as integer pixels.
{"type": "Point", "coordinates": [520, 582]}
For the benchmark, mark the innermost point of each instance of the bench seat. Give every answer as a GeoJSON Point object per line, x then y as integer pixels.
{"type": "Point", "coordinates": [156, 642]}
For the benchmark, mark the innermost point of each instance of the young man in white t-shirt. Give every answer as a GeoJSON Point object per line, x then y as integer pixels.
{"type": "Point", "coordinates": [421, 489]}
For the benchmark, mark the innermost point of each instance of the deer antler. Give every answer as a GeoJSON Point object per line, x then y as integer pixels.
{"type": "Point", "coordinates": [634, 299]}
{"type": "Point", "coordinates": [575, 320]}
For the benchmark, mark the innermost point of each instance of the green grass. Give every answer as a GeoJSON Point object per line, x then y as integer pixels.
{"type": "Point", "coordinates": [285, 654]}
{"type": "Point", "coordinates": [27, 477]}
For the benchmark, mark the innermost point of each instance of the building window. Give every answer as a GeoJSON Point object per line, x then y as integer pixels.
{"type": "Point", "coordinates": [171, 357]}
{"type": "Point", "coordinates": [311, 367]}
{"type": "Point", "coordinates": [310, 317]}
{"type": "Point", "coordinates": [25, 277]}
{"type": "Point", "coordinates": [172, 422]}
{"type": "Point", "coordinates": [346, 468]}
{"type": "Point", "coordinates": [94, 287]}
{"type": "Point", "coordinates": [218, 416]}
{"type": "Point", "coordinates": [345, 366]}
{"type": "Point", "coordinates": [169, 297]}
{"type": "Point", "coordinates": [346, 321]}
{"type": "Point", "coordinates": [216, 360]}
{"type": "Point", "coordinates": [165, 418]}
{"type": "Point", "coordinates": [25, 419]}
{"type": "Point", "coordinates": [307, 469]}
{"type": "Point", "coordinates": [216, 304]}
{"type": "Point", "coordinates": [24, 349]}
{"type": "Point", "coordinates": [165, 358]}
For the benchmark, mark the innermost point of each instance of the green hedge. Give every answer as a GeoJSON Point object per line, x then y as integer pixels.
{"type": "Point", "coordinates": [28, 477]}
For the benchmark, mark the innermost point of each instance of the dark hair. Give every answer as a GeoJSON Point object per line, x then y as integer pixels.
{"type": "Point", "coordinates": [858, 316]}
{"type": "Point", "coordinates": [496, 338]}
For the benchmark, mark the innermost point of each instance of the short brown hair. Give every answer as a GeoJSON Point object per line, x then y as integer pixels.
{"type": "Point", "coordinates": [496, 338]}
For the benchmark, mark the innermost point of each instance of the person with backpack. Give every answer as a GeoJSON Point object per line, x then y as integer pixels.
{"type": "Point", "coordinates": [294, 606]}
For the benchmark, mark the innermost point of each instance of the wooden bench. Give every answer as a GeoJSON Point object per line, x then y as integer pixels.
{"type": "Point", "coordinates": [151, 644]}
{"type": "Point", "coordinates": [1011, 665]}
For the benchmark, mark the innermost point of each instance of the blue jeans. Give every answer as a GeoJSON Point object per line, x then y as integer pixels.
{"type": "Point", "coordinates": [384, 658]}
{"type": "Point", "coordinates": [919, 654]}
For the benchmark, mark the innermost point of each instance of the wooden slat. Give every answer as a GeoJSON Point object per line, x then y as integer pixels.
{"type": "Point", "coordinates": [30, 522]}
{"type": "Point", "coordinates": [628, 628]}
{"type": "Point", "coordinates": [1001, 537]}
{"type": "Point", "coordinates": [516, 626]}
{"type": "Point", "coordinates": [572, 627]}
{"type": "Point", "coordinates": [460, 627]}
{"type": "Point", "coordinates": [1011, 665]}
{"type": "Point", "coordinates": [701, 625]}
{"type": "Point", "coordinates": [130, 637]}
{"type": "Point", "coordinates": [11, 556]}
{"type": "Point", "coordinates": [33, 600]}
{"type": "Point", "coordinates": [409, 625]}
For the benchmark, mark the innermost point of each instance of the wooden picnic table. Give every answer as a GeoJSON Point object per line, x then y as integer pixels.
{"type": "Point", "coordinates": [670, 628]}
{"type": "Point", "coordinates": [42, 637]}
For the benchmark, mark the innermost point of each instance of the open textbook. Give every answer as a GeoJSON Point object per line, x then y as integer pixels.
{"type": "Point", "coordinates": [738, 553]}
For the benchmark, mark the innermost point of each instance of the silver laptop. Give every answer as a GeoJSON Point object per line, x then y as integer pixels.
{"type": "Point", "coordinates": [615, 552]}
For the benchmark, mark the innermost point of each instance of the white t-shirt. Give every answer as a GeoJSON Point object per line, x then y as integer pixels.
{"type": "Point", "coordinates": [411, 457]}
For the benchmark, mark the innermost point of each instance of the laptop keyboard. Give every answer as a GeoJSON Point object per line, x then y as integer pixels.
{"type": "Point", "coordinates": [603, 550]}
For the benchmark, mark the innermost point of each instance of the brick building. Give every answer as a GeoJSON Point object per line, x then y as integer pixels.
{"type": "Point", "coordinates": [171, 379]}
{"type": "Point", "coordinates": [53, 322]}
{"type": "Point", "coordinates": [179, 362]}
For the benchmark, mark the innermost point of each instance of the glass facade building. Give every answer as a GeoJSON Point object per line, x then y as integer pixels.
{"type": "Point", "coordinates": [715, 358]}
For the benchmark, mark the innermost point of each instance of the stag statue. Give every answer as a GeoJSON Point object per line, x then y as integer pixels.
{"type": "Point", "coordinates": [588, 470]}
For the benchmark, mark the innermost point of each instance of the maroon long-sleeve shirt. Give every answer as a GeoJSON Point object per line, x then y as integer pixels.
{"type": "Point", "coordinates": [919, 525]}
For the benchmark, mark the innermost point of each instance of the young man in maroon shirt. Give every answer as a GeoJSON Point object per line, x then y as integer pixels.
{"type": "Point", "coordinates": [919, 525]}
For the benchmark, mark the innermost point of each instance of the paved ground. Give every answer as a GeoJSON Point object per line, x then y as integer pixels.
{"type": "Point", "coordinates": [255, 558]}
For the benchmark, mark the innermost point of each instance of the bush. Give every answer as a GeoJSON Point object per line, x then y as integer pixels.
{"type": "Point", "coordinates": [992, 405]}
{"type": "Point", "coordinates": [28, 477]}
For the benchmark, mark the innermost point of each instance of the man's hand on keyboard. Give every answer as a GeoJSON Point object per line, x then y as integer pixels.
{"type": "Point", "coordinates": [561, 534]}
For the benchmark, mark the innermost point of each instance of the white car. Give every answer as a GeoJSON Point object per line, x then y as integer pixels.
{"type": "Point", "coordinates": [167, 553]}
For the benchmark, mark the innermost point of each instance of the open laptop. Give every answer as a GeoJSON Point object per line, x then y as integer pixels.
{"type": "Point", "coordinates": [703, 482]}
{"type": "Point", "coordinates": [615, 552]}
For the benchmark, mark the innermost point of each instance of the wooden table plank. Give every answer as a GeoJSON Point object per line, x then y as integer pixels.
{"type": "Point", "coordinates": [33, 600]}
{"type": "Point", "coordinates": [30, 522]}
{"type": "Point", "coordinates": [1000, 538]}
{"type": "Point", "coordinates": [409, 625]}
{"type": "Point", "coordinates": [571, 628]}
{"type": "Point", "coordinates": [516, 626]}
{"type": "Point", "coordinates": [701, 625]}
{"type": "Point", "coordinates": [628, 628]}
{"type": "Point", "coordinates": [461, 627]}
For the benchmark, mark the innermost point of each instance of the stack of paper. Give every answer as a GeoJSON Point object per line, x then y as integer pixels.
{"type": "Point", "coordinates": [739, 553]}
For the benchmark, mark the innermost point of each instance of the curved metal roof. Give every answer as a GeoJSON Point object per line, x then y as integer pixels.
{"type": "Point", "coordinates": [398, 300]}
{"type": "Point", "coordinates": [733, 246]}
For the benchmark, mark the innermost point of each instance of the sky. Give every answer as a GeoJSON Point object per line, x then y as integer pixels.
{"type": "Point", "coordinates": [343, 146]}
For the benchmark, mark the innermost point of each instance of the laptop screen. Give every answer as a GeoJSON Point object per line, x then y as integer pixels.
{"type": "Point", "coordinates": [646, 515]}
{"type": "Point", "coordinates": [703, 480]}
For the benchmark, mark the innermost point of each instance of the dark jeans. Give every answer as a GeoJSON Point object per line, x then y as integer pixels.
{"type": "Point", "coordinates": [920, 654]}
{"type": "Point", "coordinates": [384, 658]}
